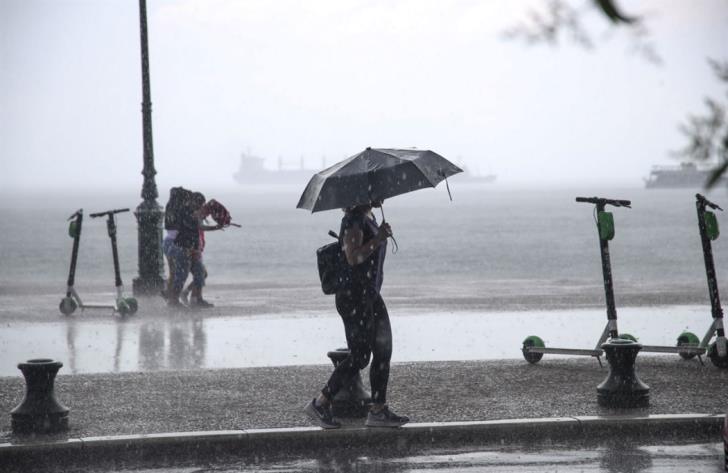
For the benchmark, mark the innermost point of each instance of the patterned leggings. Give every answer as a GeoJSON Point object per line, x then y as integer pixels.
{"type": "Point", "coordinates": [368, 335]}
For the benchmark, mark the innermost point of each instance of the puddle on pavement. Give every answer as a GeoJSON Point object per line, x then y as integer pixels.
{"type": "Point", "coordinates": [192, 342]}
{"type": "Point", "coordinates": [698, 457]}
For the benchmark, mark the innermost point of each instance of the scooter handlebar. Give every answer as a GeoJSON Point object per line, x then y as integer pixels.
{"type": "Point", "coordinates": [602, 201]}
{"type": "Point", "coordinates": [703, 201]}
{"type": "Point", "coordinates": [108, 212]}
{"type": "Point", "coordinates": [76, 214]}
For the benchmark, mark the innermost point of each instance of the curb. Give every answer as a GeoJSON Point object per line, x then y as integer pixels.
{"type": "Point", "coordinates": [176, 447]}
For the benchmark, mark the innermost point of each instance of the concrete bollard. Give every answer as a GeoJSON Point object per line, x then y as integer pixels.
{"type": "Point", "coordinates": [352, 400]}
{"type": "Point", "coordinates": [622, 388]}
{"type": "Point", "coordinates": [39, 412]}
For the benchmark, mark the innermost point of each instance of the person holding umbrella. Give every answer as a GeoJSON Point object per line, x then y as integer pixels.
{"type": "Point", "coordinates": [356, 185]}
{"type": "Point", "coordinates": [365, 317]}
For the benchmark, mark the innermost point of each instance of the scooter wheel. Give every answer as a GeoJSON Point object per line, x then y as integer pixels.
{"type": "Point", "coordinates": [123, 307]}
{"type": "Point", "coordinates": [67, 306]}
{"type": "Point", "coordinates": [687, 339]}
{"type": "Point", "coordinates": [532, 341]}
{"type": "Point", "coordinates": [717, 360]}
{"type": "Point", "coordinates": [133, 305]}
{"type": "Point", "coordinates": [627, 336]}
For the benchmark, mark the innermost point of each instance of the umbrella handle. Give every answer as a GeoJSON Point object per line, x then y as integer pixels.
{"type": "Point", "coordinates": [395, 248]}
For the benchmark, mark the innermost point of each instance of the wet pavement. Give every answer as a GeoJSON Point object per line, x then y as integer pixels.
{"type": "Point", "coordinates": [615, 458]}
{"type": "Point", "coordinates": [156, 339]}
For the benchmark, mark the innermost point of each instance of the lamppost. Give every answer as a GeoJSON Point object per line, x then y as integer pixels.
{"type": "Point", "coordinates": [148, 213]}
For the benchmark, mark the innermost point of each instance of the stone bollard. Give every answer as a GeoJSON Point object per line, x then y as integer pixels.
{"type": "Point", "coordinates": [622, 388]}
{"type": "Point", "coordinates": [352, 400]}
{"type": "Point", "coordinates": [39, 412]}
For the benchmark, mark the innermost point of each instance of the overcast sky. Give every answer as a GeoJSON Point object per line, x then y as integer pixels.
{"type": "Point", "coordinates": [327, 78]}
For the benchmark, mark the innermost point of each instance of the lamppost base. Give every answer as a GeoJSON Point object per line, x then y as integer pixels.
{"type": "Point", "coordinates": [149, 225]}
{"type": "Point", "coordinates": [146, 287]}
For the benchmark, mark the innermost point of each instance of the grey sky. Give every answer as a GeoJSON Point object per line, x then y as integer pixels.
{"type": "Point", "coordinates": [328, 78]}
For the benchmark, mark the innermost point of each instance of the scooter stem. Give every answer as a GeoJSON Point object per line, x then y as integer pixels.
{"type": "Point", "coordinates": [700, 204]}
{"type": "Point", "coordinates": [608, 282]}
{"type": "Point", "coordinates": [74, 252]}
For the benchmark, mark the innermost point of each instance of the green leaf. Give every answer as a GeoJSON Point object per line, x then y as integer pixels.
{"type": "Point", "coordinates": [610, 9]}
{"type": "Point", "coordinates": [716, 174]}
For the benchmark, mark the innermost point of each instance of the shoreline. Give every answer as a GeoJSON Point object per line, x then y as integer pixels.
{"type": "Point", "coordinates": [39, 303]}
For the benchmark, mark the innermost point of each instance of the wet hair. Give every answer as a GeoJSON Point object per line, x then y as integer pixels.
{"type": "Point", "coordinates": [357, 209]}
{"type": "Point", "coordinates": [179, 198]}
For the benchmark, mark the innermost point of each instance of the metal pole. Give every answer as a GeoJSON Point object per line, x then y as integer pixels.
{"type": "Point", "coordinates": [148, 213]}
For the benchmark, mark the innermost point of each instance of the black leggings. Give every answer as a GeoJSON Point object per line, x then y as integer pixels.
{"type": "Point", "coordinates": [368, 334]}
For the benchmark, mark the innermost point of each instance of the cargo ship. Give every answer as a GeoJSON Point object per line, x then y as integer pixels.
{"type": "Point", "coordinates": [252, 171]}
{"type": "Point", "coordinates": [684, 175]}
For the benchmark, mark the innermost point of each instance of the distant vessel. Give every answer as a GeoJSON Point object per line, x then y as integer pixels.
{"type": "Point", "coordinates": [684, 175]}
{"type": "Point", "coordinates": [466, 177]}
{"type": "Point", "coordinates": [252, 171]}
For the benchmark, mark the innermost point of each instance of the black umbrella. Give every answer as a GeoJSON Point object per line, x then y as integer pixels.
{"type": "Point", "coordinates": [374, 175]}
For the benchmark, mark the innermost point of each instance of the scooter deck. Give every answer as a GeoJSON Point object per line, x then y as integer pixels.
{"type": "Point", "coordinates": [98, 306]}
{"type": "Point", "coordinates": [683, 349]}
{"type": "Point", "coordinates": [564, 351]}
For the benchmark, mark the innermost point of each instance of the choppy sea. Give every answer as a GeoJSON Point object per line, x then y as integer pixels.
{"type": "Point", "coordinates": [487, 236]}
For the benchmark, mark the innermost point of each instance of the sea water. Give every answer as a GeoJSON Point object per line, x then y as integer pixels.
{"type": "Point", "coordinates": [498, 237]}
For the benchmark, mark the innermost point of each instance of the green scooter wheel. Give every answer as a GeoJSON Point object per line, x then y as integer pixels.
{"type": "Point", "coordinates": [687, 339]}
{"type": "Point", "coordinates": [122, 307]}
{"type": "Point", "coordinates": [532, 341]}
{"type": "Point", "coordinates": [133, 305]}
{"type": "Point", "coordinates": [715, 358]}
{"type": "Point", "coordinates": [67, 306]}
{"type": "Point", "coordinates": [627, 336]}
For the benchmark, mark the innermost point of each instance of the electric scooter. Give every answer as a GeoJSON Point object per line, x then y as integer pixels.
{"type": "Point", "coordinates": [72, 301]}
{"type": "Point", "coordinates": [69, 303]}
{"type": "Point", "coordinates": [688, 344]}
{"type": "Point", "coordinates": [124, 305]}
{"type": "Point", "coordinates": [533, 346]}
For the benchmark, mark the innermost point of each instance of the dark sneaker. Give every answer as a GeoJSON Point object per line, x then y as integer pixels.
{"type": "Point", "coordinates": [385, 418]}
{"type": "Point", "coordinates": [321, 415]}
{"type": "Point", "coordinates": [201, 304]}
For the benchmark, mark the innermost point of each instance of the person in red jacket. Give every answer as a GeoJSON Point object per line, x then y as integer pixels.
{"type": "Point", "coordinates": [193, 293]}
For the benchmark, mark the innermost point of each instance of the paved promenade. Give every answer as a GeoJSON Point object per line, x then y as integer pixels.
{"type": "Point", "coordinates": [180, 401]}
{"type": "Point", "coordinates": [476, 393]}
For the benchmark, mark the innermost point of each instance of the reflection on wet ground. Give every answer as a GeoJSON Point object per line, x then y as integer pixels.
{"type": "Point", "coordinates": [617, 458]}
{"type": "Point", "coordinates": [192, 341]}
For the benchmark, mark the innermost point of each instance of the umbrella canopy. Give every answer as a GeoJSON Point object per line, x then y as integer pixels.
{"type": "Point", "coordinates": [374, 175]}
